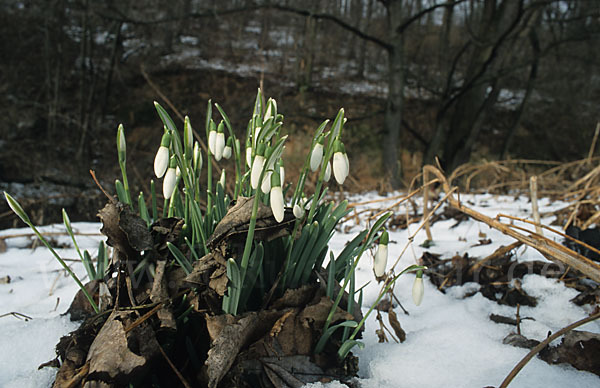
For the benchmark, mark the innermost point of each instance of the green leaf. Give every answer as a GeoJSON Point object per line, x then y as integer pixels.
{"type": "Point", "coordinates": [331, 276]}
{"type": "Point", "coordinates": [102, 262]}
{"type": "Point", "coordinates": [121, 194]}
{"type": "Point", "coordinates": [88, 265]}
{"type": "Point", "coordinates": [325, 337]}
{"type": "Point", "coordinates": [347, 346]}
{"type": "Point", "coordinates": [164, 116]}
{"type": "Point", "coordinates": [180, 258]}
{"type": "Point", "coordinates": [143, 209]}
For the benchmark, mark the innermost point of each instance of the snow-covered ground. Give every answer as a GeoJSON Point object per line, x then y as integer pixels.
{"type": "Point", "coordinates": [451, 342]}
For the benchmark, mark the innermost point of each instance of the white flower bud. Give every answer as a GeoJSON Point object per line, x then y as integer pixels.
{"type": "Point", "coordinates": [340, 168]}
{"type": "Point", "coordinates": [327, 175]}
{"type": "Point", "coordinates": [161, 161]}
{"type": "Point", "coordinates": [316, 157]}
{"type": "Point", "coordinates": [169, 182]}
{"type": "Point", "coordinates": [418, 291]}
{"type": "Point", "coordinates": [227, 152]}
{"type": "Point", "coordinates": [381, 258]}
{"type": "Point", "coordinates": [298, 211]}
{"type": "Point", "coordinates": [265, 186]}
{"type": "Point", "coordinates": [277, 205]}
{"type": "Point", "coordinates": [212, 141]}
{"type": "Point", "coordinates": [219, 145]}
{"type": "Point", "coordinates": [249, 156]}
{"type": "Point", "coordinates": [222, 179]}
{"type": "Point", "coordinates": [257, 166]}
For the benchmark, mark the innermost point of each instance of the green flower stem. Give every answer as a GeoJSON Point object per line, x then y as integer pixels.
{"type": "Point", "coordinates": [387, 286]}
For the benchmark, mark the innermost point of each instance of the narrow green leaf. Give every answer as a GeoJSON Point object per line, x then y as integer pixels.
{"type": "Point", "coordinates": [180, 258]}
{"type": "Point", "coordinates": [164, 116]}
{"type": "Point", "coordinates": [325, 337]}
{"type": "Point", "coordinates": [347, 346]}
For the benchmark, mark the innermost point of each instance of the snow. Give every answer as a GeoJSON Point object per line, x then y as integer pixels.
{"type": "Point", "coordinates": [451, 342]}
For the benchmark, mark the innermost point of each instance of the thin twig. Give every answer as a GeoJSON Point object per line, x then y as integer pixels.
{"type": "Point", "coordinates": [542, 345]}
{"type": "Point", "coordinates": [17, 315]}
{"type": "Point", "coordinates": [179, 375]}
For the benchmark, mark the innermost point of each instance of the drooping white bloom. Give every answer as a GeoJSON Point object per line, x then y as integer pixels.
{"type": "Point", "coordinates": [249, 156]}
{"type": "Point", "coordinates": [340, 171]}
{"type": "Point", "coordinates": [219, 145]}
{"type": "Point", "coordinates": [327, 175]}
{"type": "Point", "coordinates": [227, 152]}
{"type": "Point", "coordinates": [277, 205]}
{"type": "Point", "coordinates": [276, 198]}
{"type": "Point", "coordinates": [418, 290]}
{"type": "Point", "coordinates": [316, 157]}
{"type": "Point", "coordinates": [257, 166]}
{"type": "Point", "coordinates": [161, 161]}
{"type": "Point", "coordinates": [282, 173]}
{"type": "Point", "coordinates": [380, 260]}
{"type": "Point", "coordinates": [212, 141]}
{"type": "Point", "coordinates": [340, 162]}
{"type": "Point", "coordinates": [298, 211]}
{"type": "Point", "coordinates": [265, 186]}
{"type": "Point", "coordinates": [381, 256]}
{"type": "Point", "coordinates": [169, 182]}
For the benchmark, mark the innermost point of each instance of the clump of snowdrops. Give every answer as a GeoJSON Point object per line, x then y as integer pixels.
{"type": "Point", "coordinates": [286, 262]}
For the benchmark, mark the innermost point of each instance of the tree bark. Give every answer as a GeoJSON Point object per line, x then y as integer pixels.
{"type": "Point", "coordinates": [393, 108]}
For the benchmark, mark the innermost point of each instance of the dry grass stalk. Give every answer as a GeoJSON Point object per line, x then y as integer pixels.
{"type": "Point", "coordinates": [545, 246]}
{"type": "Point", "coordinates": [534, 204]}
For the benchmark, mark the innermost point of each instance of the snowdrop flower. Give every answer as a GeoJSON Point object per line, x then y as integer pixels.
{"type": "Point", "coordinates": [298, 211]}
{"type": "Point", "coordinates": [257, 166]}
{"type": "Point", "coordinates": [170, 179]}
{"type": "Point", "coordinates": [212, 138]}
{"type": "Point", "coordinates": [197, 157]}
{"type": "Point", "coordinates": [121, 144]}
{"type": "Point", "coordinates": [265, 186]}
{"type": "Point", "coordinates": [418, 290]}
{"type": "Point", "coordinates": [382, 255]}
{"type": "Point", "coordinates": [281, 171]}
{"type": "Point", "coordinates": [277, 204]}
{"type": "Point", "coordinates": [249, 152]}
{"type": "Point", "coordinates": [161, 160]}
{"type": "Point", "coordinates": [340, 162]}
{"type": "Point", "coordinates": [327, 175]}
{"type": "Point", "coordinates": [228, 150]}
{"type": "Point", "coordinates": [219, 142]}
{"type": "Point", "coordinates": [317, 154]}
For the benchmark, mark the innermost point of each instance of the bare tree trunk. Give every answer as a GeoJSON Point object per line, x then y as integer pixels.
{"type": "Point", "coordinates": [362, 53]}
{"type": "Point", "coordinates": [393, 108]}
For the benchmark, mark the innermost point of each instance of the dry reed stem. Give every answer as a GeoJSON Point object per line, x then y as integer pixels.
{"type": "Point", "coordinates": [534, 204]}
{"type": "Point", "coordinates": [542, 345]}
{"type": "Point", "coordinates": [594, 140]}
{"type": "Point", "coordinates": [545, 246]}
{"type": "Point", "coordinates": [426, 205]}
